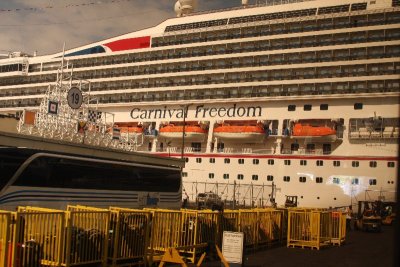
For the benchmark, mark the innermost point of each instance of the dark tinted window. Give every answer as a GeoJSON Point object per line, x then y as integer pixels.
{"type": "Point", "coordinates": [67, 173]}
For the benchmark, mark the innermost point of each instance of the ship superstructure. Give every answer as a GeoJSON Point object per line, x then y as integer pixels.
{"type": "Point", "coordinates": [262, 101]}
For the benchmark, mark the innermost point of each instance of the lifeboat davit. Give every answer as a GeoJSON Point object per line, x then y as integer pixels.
{"type": "Point", "coordinates": [244, 132]}
{"type": "Point", "coordinates": [306, 130]}
{"type": "Point", "coordinates": [192, 132]}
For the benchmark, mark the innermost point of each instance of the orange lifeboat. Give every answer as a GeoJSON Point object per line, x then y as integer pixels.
{"type": "Point", "coordinates": [240, 131]}
{"type": "Point", "coordinates": [130, 130]}
{"type": "Point", "coordinates": [192, 132]}
{"type": "Point", "coordinates": [306, 130]}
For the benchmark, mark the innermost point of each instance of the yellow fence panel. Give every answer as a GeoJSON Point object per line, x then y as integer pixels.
{"type": "Point", "coordinates": [308, 229]}
{"type": "Point", "coordinates": [5, 235]}
{"type": "Point", "coordinates": [165, 229]}
{"type": "Point", "coordinates": [187, 230]}
{"type": "Point", "coordinates": [37, 239]}
{"type": "Point", "coordinates": [129, 237]}
{"type": "Point", "coordinates": [126, 237]}
{"type": "Point", "coordinates": [229, 221]}
{"type": "Point", "coordinates": [87, 236]}
{"type": "Point", "coordinates": [270, 227]}
{"type": "Point", "coordinates": [248, 224]}
{"type": "Point", "coordinates": [338, 224]}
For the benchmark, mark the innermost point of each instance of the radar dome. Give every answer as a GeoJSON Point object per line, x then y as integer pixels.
{"type": "Point", "coordinates": [183, 7]}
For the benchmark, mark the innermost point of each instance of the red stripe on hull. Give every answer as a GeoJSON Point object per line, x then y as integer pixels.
{"type": "Point", "coordinates": [129, 44]}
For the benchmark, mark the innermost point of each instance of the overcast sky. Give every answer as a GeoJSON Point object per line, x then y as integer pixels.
{"type": "Point", "coordinates": [44, 25]}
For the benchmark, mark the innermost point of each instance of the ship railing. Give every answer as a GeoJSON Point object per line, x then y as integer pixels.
{"type": "Point", "coordinates": [246, 150]}
{"type": "Point", "coordinates": [174, 149]}
{"type": "Point", "coordinates": [304, 151]}
{"type": "Point", "coordinates": [228, 150]}
{"type": "Point", "coordinates": [366, 133]}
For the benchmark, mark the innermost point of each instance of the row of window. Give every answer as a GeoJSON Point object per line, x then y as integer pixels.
{"type": "Point", "coordinates": [268, 17]}
{"type": "Point", "coordinates": [303, 162]}
{"type": "Point", "coordinates": [279, 28]}
{"type": "Point", "coordinates": [234, 62]}
{"type": "Point", "coordinates": [376, 86]}
{"type": "Point", "coordinates": [11, 68]}
{"type": "Point", "coordinates": [308, 107]}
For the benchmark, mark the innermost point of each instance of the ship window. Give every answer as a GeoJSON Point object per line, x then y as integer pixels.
{"type": "Point", "coordinates": [294, 147]}
{"type": "Point", "coordinates": [286, 178]}
{"type": "Point", "coordinates": [354, 181]}
{"type": "Point", "coordinates": [220, 147]}
{"type": "Point", "coordinates": [198, 160]}
{"type": "Point", "coordinates": [270, 177]}
{"type": "Point", "coordinates": [291, 107]}
{"type": "Point", "coordinates": [336, 180]}
{"type": "Point", "coordinates": [186, 159]}
{"type": "Point", "coordinates": [358, 6]}
{"type": "Point", "coordinates": [241, 161]}
{"type": "Point", "coordinates": [256, 161]}
{"type": "Point", "coordinates": [372, 164]}
{"type": "Point", "coordinates": [323, 107]}
{"type": "Point", "coordinates": [390, 164]}
{"type": "Point", "coordinates": [319, 180]}
{"type": "Point", "coordinates": [310, 148]}
{"type": "Point", "coordinates": [196, 147]}
{"type": "Point", "coordinates": [320, 163]}
{"type": "Point", "coordinates": [254, 177]}
{"type": "Point", "coordinates": [355, 163]}
{"type": "Point", "coordinates": [326, 149]}
{"type": "Point", "coordinates": [287, 162]}
{"type": "Point", "coordinates": [336, 163]}
{"type": "Point", "coordinates": [212, 160]}
{"type": "Point", "coordinates": [211, 175]}
{"type": "Point", "coordinates": [358, 105]}
{"type": "Point", "coordinates": [303, 162]}
{"type": "Point", "coordinates": [271, 162]}
{"type": "Point", "coordinates": [184, 174]}
{"type": "Point", "coordinates": [372, 181]}
{"type": "Point", "coordinates": [227, 161]}
{"type": "Point", "coordinates": [302, 179]}
{"type": "Point", "coordinates": [226, 175]}
{"type": "Point", "coordinates": [240, 176]}
{"type": "Point", "coordinates": [307, 107]}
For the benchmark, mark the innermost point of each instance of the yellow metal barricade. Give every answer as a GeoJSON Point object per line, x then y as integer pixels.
{"type": "Point", "coordinates": [248, 224]}
{"type": "Point", "coordinates": [165, 230]}
{"type": "Point", "coordinates": [229, 221]}
{"type": "Point", "coordinates": [338, 227]}
{"type": "Point", "coordinates": [270, 229]}
{"type": "Point", "coordinates": [187, 230]}
{"type": "Point", "coordinates": [308, 229]}
{"type": "Point", "coordinates": [5, 235]}
{"type": "Point", "coordinates": [129, 237]}
{"type": "Point", "coordinates": [37, 240]}
{"type": "Point", "coordinates": [87, 236]}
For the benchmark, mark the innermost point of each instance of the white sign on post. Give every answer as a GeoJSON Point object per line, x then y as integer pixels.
{"type": "Point", "coordinates": [74, 98]}
{"type": "Point", "coordinates": [232, 247]}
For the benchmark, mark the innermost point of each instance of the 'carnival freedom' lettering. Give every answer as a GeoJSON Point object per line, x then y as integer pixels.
{"type": "Point", "coordinates": [200, 112]}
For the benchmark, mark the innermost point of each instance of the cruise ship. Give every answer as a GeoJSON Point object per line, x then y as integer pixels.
{"type": "Point", "coordinates": [265, 100]}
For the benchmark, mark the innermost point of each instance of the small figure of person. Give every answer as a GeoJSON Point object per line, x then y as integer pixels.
{"type": "Point", "coordinates": [349, 217]}
{"type": "Point", "coordinates": [185, 199]}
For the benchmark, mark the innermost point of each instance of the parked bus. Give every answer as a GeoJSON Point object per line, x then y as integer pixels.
{"type": "Point", "coordinates": [30, 177]}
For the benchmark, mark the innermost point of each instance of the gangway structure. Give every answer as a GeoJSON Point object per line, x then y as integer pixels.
{"type": "Point", "coordinates": [68, 112]}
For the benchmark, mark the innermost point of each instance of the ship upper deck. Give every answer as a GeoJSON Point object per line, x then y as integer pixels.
{"type": "Point", "coordinates": [348, 51]}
